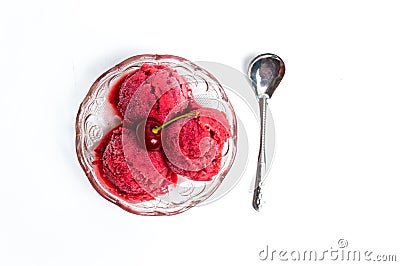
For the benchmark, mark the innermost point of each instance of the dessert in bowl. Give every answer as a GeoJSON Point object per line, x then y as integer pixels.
{"type": "Point", "coordinates": [156, 134]}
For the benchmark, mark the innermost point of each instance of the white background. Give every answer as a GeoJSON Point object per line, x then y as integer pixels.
{"type": "Point", "coordinates": [336, 169]}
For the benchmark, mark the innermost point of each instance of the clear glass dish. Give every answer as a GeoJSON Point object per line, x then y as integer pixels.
{"type": "Point", "coordinates": [96, 118]}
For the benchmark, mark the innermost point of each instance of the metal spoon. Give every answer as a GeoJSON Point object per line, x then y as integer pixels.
{"type": "Point", "coordinates": [265, 71]}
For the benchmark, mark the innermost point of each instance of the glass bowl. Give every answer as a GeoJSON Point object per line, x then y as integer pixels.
{"type": "Point", "coordinates": [96, 117]}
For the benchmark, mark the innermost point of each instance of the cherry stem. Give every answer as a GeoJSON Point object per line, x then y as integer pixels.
{"type": "Point", "coordinates": [156, 129]}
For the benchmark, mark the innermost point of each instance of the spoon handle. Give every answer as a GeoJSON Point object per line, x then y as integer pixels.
{"type": "Point", "coordinates": [262, 155]}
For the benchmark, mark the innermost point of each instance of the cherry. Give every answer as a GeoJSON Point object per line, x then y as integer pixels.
{"type": "Point", "coordinates": [151, 129]}
{"type": "Point", "coordinates": [152, 140]}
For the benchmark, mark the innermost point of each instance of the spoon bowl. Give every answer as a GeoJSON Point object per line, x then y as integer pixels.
{"type": "Point", "coordinates": [266, 72]}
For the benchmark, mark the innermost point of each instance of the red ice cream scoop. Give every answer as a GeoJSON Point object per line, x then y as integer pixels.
{"type": "Point", "coordinates": [130, 171]}
{"type": "Point", "coordinates": [151, 91]}
{"type": "Point", "coordinates": [193, 146]}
